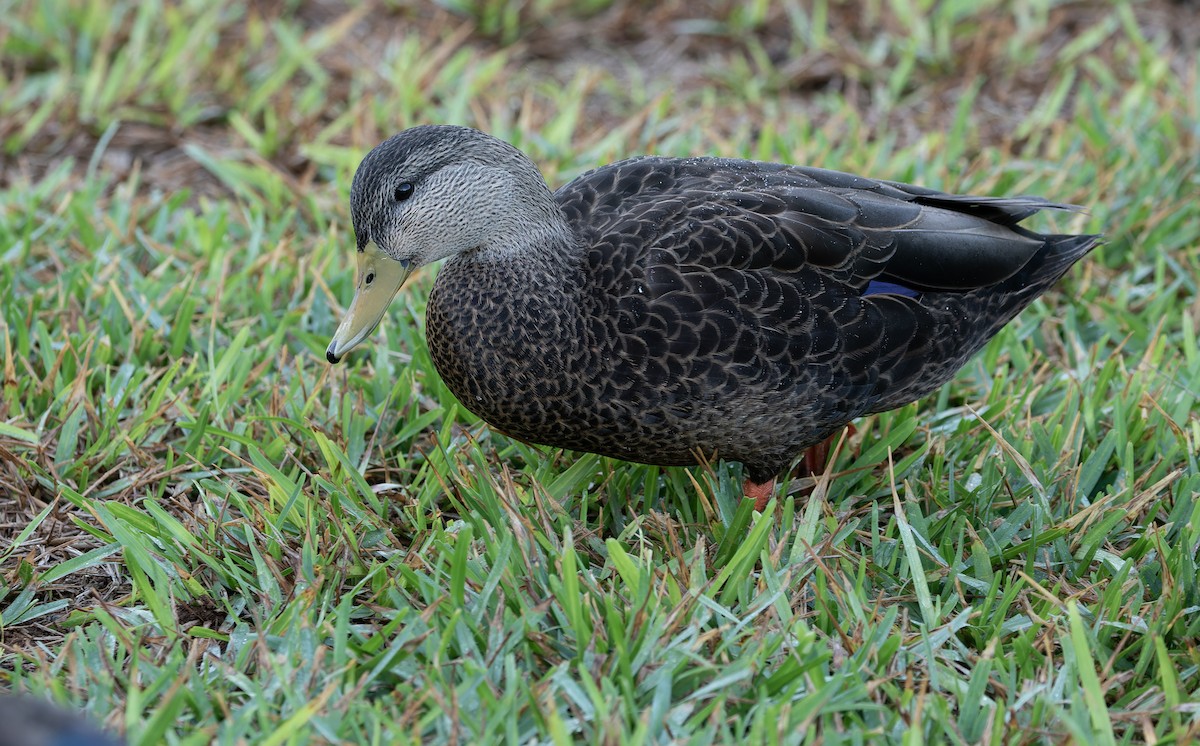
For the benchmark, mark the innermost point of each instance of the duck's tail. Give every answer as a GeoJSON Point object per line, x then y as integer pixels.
{"type": "Point", "coordinates": [1039, 274]}
{"type": "Point", "coordinates": [1052, 262]}
{"type": "Point", "coordinates": [973, 318]}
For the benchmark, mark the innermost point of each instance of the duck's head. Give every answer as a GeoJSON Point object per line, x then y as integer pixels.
{"type": "Point", "coordinates": [428, 193]}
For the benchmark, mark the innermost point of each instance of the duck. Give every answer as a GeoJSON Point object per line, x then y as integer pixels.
{"type": "Point", "coordinates": [671, 311]}
{"type": "Point", "coordinates": [29, 721]}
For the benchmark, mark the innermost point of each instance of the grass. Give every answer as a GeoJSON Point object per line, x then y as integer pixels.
{"type": "Point", "coordinates": [210, 535]}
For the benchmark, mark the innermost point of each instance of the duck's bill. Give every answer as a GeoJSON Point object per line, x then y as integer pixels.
{"type": "Point", "coordinates": [379, 279]}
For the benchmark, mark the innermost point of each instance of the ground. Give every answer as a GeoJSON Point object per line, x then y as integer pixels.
{"type": "Point", "coordinates": [189, 494]}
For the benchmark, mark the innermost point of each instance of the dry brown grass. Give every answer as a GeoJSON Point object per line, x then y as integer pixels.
{"type": "Point", "coordinates": [685, 47]}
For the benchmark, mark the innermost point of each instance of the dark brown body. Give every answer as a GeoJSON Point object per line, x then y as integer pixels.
{"type": "Point", "coordinates": [733, 308]}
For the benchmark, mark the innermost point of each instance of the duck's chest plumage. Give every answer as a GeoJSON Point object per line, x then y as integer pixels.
{"type": "Point", "coordinates": [552, 357]}
{"type": "Point", "coordinates": [510, 353]}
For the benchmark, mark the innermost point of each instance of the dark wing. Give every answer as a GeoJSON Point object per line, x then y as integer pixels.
{"type": "Point", "coordinates": [756, 215]}
{"type": "Point", "coordinates": [725, 274]}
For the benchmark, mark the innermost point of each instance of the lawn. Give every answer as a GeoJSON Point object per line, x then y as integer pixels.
{"type": "Point", "coordinates": [209, 534]}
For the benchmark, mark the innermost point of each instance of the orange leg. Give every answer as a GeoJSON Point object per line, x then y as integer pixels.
{"type": "Point", "coordinates": [759, 493]}
{"type": "Point", "coordinates": [815, 459]}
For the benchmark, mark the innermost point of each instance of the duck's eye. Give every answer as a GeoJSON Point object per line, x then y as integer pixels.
{"type": "Point", "coordinates": [403, 191]}
{"type": "Point", "coordinates": [369, 278]}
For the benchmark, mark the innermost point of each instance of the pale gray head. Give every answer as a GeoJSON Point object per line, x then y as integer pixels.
{"type": "Point", "coordinates": [438, 190]}
{"type": "Point", "coordinates": [431, 192]}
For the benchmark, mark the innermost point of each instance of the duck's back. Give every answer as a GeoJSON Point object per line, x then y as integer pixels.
{"type": "Point", "coordinates": [748, 309]}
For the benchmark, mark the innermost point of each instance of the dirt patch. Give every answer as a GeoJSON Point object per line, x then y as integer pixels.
{"type": "Point", "coordinates": [683, 47]}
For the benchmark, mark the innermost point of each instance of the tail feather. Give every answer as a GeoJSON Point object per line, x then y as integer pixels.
{"type": "Point", "coordinates": [976, 317]}
{"type": "Point", "coordinates": [1051, 263]}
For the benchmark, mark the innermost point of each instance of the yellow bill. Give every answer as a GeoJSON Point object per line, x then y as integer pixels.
{"type": "Point", "coordinates": [379, 279]}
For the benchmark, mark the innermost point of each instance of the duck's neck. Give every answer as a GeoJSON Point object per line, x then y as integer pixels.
{"type": "Point", "coordinates": [531, 222]}
{"type": "Point", "coordinates": [538, 256]}
{"type": "Point", "coordinates": [526, 267]}
{"type": "Point", "coordinates": [521, 242]}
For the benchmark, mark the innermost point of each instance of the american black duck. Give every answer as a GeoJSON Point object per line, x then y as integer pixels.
{"type": "Point", "coordinates": [657, 309]}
